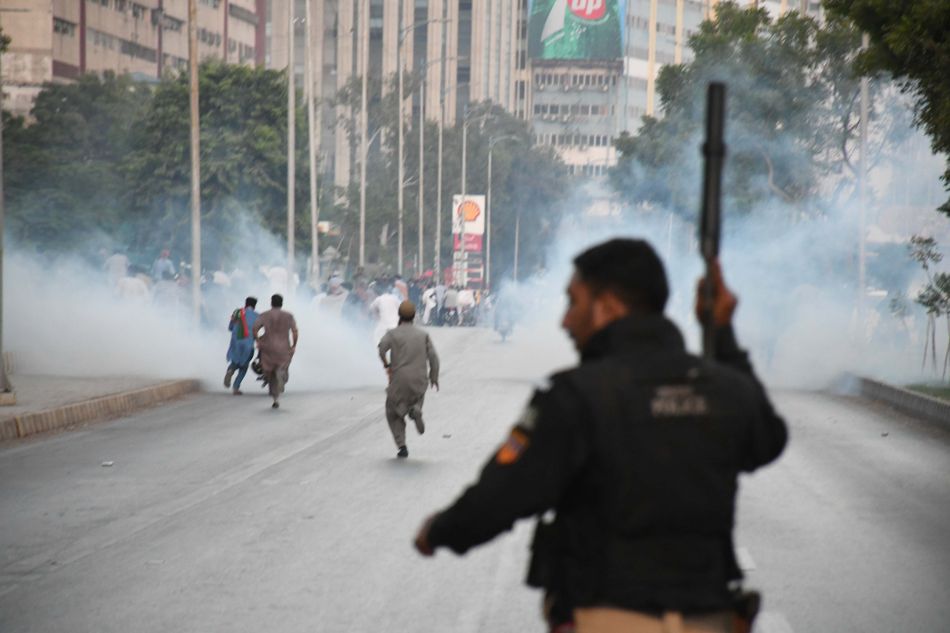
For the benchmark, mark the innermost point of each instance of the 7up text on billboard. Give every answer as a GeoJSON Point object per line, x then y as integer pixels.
{"type": "Point", "coordinates": [575, 29]}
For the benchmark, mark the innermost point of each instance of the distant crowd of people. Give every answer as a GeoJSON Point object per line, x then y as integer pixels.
{"type": "Point", "coordinates": [362, 300]}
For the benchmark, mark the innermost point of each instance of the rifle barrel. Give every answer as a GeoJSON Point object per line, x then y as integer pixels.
{"type": "Point", "coordinates": [714, 153]}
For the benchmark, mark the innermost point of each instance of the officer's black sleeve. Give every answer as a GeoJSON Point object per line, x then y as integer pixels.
{"type": "Point", "coordinates": [767, 433]}
{"type": "Point", "coordinates": [524, 477]}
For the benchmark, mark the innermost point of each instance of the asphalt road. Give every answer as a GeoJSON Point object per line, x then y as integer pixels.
{"type": "Point", "coordinates": [220, 514]}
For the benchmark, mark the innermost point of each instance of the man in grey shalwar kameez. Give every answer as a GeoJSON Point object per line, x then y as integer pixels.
{"type": "Point", "coordinates": [410, 350]}
{"type": "Point", "coordinates": [277, 345]}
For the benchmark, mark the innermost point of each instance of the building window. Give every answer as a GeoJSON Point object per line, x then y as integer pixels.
{"type": "Point", "coordinates": [63, 27]}
{"type": "Point", "coordinates": [139, 11]}
{"type": "Point", "coordinates": [133, 49]}
{"type": "Point", "coordinates": [102, 40]}
{"type": "Point", "coordinates": [240, 13]}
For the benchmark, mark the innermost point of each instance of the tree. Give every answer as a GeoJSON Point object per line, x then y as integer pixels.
{"type": "Point", "coordinates": [528, 181]}
{"type": "Point", "coordinates": [243, 159]}
{"type": "Point", "coordinates": [63, 173]}
{"type": "Point", "coordinates": [792, 120]}
{"type": "Point", "coordinates": [909, 40]}
{"type": "Point", "coordinates": [934, 297]}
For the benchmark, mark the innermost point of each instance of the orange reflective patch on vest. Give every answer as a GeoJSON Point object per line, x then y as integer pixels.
{"type": "Point", "coordinates": [512, 449]}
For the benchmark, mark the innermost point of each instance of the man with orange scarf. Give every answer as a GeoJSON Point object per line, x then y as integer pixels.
{"type": "Point", "coordinates": [241, 349]}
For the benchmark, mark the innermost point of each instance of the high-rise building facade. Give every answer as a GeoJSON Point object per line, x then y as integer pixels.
{"type": "Point", "coordinates": [594, 63]}
{"type": "Point", "coordinates": [58, 40]}
{"type": "Point", "coordinates": [465, 52]}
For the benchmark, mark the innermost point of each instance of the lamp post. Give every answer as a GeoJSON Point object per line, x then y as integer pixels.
{"type": "Point", "coordinates": [195, 161]}
{"type": "Point", "coordinates": [517, 231]}
{"type": "Point", "coordinates": [364, 70]}
{"type": "Point", "coordinates": [291, 145]}
{"type": "Point", "coordinates": [422, 126]}
{"type": "Point", "coordinates": [491, 147]}
{"type": "Point", "coordinates": [438, 189]}
{"type": "Point", "coordinates": [314, 121]}
{"type": "Point", "coordinates": [401, 176]}
{"type": "Point", "coordinates": [463, 259]}
{"type": "Point", "coordinates": [422, 171]}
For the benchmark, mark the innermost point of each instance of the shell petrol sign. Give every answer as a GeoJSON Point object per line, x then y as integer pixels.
{"type": "Point", "coordinates": [471, 211]}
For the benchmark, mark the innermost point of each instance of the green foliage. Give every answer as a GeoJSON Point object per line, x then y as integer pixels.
{"type": "Point", "coordinates": [792, 99]}
{"type": "Point", "coordinates": [934, 297]}
{"type": "Point", "coordinates": [909, 40]}
{"type": "Point", "coordinates": [111, 158]}
{"type": "Point", "coordinates": [62, 172]}
{"type": "Point", "coordinates": [528, 181]}
{"type": "Point", "coordinates": [243, 157]}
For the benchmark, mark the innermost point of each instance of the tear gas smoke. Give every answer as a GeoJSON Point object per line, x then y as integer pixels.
{"type": "Point", "coordinates": [65, 317]}
{"type": "Point", "coordinates": [796, 277]}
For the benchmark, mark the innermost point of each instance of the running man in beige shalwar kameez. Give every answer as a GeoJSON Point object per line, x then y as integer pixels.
{"type": "Point", "coordinates": [277, 345]}
{"type": "Point", "coordinates": [410, 350]}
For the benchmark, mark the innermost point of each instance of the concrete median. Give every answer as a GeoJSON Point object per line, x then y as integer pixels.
{"type": "Point", "coordinates": [94, 409]}
{"type": "Point", "coordinates": [909, 402]}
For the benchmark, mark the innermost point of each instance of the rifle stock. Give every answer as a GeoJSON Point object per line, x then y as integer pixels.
{"type": "Point", "coordinates": [714, 154]}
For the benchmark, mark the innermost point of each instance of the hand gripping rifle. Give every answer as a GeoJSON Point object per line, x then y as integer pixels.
{"type": "Point", "coordinates": [714, 153]}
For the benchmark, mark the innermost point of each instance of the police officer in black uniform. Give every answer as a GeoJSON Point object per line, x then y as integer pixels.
{"type": "Point", "coordinates": [637, 451]}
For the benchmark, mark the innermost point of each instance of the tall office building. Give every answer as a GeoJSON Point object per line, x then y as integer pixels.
{"type": "Point", "coordinates": [58, 40]}
{"type": "Point", "coordinates": [465, 51]}
{"type": "Point", "coordinates": [594, 67]}
{"type": "Point", "coordinates": [594, 63]}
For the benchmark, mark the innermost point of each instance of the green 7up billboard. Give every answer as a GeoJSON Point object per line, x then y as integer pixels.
{"type": "Point", "coordinates": [575, 29]}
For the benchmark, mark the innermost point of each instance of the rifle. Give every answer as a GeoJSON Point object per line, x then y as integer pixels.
{"type": "Point", "coordinates": [714, 153]}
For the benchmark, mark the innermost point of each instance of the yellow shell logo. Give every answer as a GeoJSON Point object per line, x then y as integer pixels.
{"type": "Point", "coordinates": [469, 210]}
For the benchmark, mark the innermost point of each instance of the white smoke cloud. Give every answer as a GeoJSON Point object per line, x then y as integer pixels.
{"type": "Point", "coordinates": [796, 277]}
{"type": "Point", "coordinates": [64, 318]}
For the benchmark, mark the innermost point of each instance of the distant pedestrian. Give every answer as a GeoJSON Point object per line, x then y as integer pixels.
{"type": "Point", "coordinates": [385, 310]}
{"type": "Point", "coordinates": [116, 267]}
{"type": "Point", "coordinates": [163, 265]}
{"type": "Point", "coordinates": [331, 302]}
{"type": "Point", "coordinates": [450, 306]}
{"type": "Point", "coordinates": [241, 349]}
{"type": "Point", "coordinates": [429, 305]}
{"type": "Point", "coordinates": [277, 345]}
{"type": "Point", "coordinates": [133, 289]}
{"type": "Point", "coordinates": [401, 288]}
{"type": "Point", "coordinates": [410, 351]}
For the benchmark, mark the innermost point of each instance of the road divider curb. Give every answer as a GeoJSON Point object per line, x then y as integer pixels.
{"type": "Point", "coordinates": [95, 410]}
{"type": "Point", "coordinates": [912, 403]}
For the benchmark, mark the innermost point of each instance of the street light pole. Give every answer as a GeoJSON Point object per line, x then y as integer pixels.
{"type": "Point", "coordinates": [195, 162]}
{"type": "Point", "coordinates": [313, 124]}
{"type": "Point", "coordinates": [463, 257]}
{"type": "Point", "coordinates": [517, 240]}
{"type": "Point", "coordinates": [364, 69]}
{"type": "Point", "coordinates": [422, 127]}
{"type": "Point", "coordinates": [291, 144]}
{"type": "Point", "coordinates": [4, 382]}
{"type": "Point", "coordinates": [438, 188]}
{"type": "Point", "coordinates": [491, 148]}
{"type": "Point", "coordinates": [400, 177]}
{"type": "Point", "coordinates": [402, 169]}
